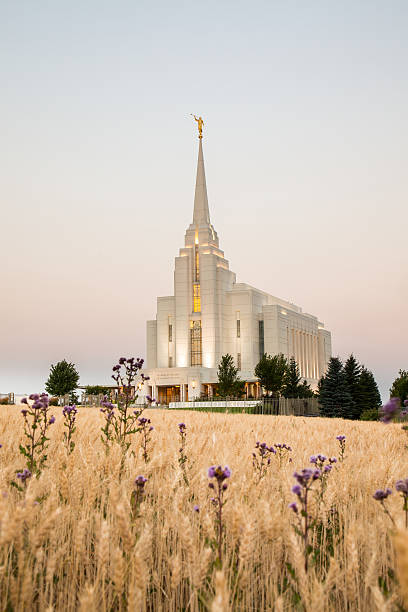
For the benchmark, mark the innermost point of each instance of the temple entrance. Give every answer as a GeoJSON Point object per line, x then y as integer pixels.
{"type": "Point", "coordinates": [168, 394]}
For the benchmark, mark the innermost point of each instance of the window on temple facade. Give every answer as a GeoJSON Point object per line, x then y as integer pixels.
{"type": "Point", "coordinates": [196, 298]}
{"type": "Point", "coordinates": [195, 343]}
{"type": "Point", "coordinates": [239, 361]}
{"type": "Point", "coordinates": [170, 362]}
{"type": "Point", "coordinates": [170, 332]}
{"type": "Point", "coordinates": [238, 328]}
{"type": "Point", "coordinates": [261, 339]}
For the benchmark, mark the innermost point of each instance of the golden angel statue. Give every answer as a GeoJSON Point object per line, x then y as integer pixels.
{"type": "Point", "coordinates": [200, 124]}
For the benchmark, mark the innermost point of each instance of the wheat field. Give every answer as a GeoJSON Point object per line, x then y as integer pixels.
{"type": "Point", "coordinates": [70, 541]}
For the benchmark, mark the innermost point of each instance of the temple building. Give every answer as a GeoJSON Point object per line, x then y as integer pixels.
{"type": "Point", "coordinates": [211, 314]}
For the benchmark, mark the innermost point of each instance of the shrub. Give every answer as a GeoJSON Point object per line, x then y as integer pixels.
{"type": "Point", "coordinates": [4, 401]}
{"type": "Point", "coordinates": [370, 415]}
{"type": "Point", "coordinates": [54, 401]}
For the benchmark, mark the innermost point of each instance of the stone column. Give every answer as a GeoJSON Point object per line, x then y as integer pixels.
{"type": "Point", "coordinates": [297, 352]}
{"type": "Point", "coordinates": [316, 357]}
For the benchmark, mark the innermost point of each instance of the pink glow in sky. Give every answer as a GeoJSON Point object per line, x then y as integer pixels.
{"type": "Point", "coordinates": [305, 148]}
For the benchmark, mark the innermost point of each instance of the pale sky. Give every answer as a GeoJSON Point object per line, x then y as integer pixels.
{"type": "Point", "coordinates": [306, 132]}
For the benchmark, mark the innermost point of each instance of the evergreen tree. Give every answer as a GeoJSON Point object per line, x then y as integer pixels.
{"type": "Point", "coordinates": [228, 382]}
{"type": "Point", "coordinates": [304, 390]}
{"type": "Point", "coordinates": [400, 386]}
{"type": "Point", "coordinates": [293, 387]}
{"type": "Point", "coordinates": [63, 378]}
{"type": "Point", "coordinates": [292, 379]}
{"type": "Point", "coordinates": [334, 397]}
{"type": "Point", "coordinates": [370, 399]}
{"type": "Point", "coordinates": [271, 372]}
{"type": "Point", "coordinates": [352, 371]}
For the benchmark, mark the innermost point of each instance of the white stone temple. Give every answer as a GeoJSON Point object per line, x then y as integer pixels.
{"type": "Point", "coordinates": [210, 314]}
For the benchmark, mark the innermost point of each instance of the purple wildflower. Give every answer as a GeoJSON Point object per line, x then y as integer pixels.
{"type": "Point", "coordinates": [390, 410]}
{"type": "Point", "coordinates": [196, 508]}
{"type": "Point", "coordinates": [140, 481]}
{"type": "Point", "coordinates": [402, 486]}
{"type": "Point", "coordinates": [24, 400]}
{"type": "Point", "coordinates": [24, 475]}
{"type": "Point", "coordinates": [380, 495]}
{"type": "Point", "coordinates": [52, 420]}
{"type": "Point", "coordinates": [293, 506]}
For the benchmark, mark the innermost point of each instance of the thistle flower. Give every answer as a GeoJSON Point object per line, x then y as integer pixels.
{"type": "Point", "coordinates": [140, 481]}
{"type": "Point", "coordinates": [24, 475]}
{"type": "Point", "coordinates": [390, 410]}
{"type": "Point", "coordinates": [293, 506]}
{"type": "Point", "coordinates": [402, 486]}
{"type": "Point", "coordinates": [52, 420]}
{"type": "Point", "coordinates": [219, 473]}
{"type": "Point", "coordinates": [380, 494]}
{"type": "Point", "coordinates": [196, 508]}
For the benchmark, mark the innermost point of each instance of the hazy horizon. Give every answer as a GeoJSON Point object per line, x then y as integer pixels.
{"type": "Point", "coordinates": [305, 147]}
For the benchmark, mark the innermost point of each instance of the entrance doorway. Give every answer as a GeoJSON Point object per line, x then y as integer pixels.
{"type": "Point", "coordinates": [168, 394]}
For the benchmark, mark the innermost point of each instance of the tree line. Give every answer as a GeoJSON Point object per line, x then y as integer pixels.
{"type": "Point", "coordinates": [347, 390]}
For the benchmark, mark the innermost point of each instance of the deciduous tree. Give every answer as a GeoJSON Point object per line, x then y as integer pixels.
{"type": "Point", "coordinates": [400, 386]}
{"type": "Point", "coordinates": [63, 378]}
{"type": "Point", "coordinates": [271, 372]}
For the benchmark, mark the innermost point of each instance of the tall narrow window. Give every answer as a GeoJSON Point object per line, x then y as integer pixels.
{"type": "Point", "coordinates": [239, 361]}
{"type": "Point", "coordinates": [170, 362]}
{"type": "Point", "coordinates": [261, 339]}
{"type": "Point", "coordinates": [238, 328]}
{"type": "Point", "coordinates": [196, 264]}
{"type": "Point", "coordinates": [195, 343]}
{"type": "Point", "coordinates": [196, 298]}
{"type": "Point", "coordinates": [170, 332]}
{"type": "Point", "coordinates": [196, 280]}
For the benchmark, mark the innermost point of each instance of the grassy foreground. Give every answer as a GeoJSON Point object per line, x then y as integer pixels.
{"type": "Point", "coordinates": [69, 542]}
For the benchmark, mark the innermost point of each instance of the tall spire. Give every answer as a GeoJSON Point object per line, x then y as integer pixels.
{"type": "Point", "coordinates": [201, 214]}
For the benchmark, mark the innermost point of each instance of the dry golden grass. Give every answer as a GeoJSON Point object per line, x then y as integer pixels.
{"type": "Point", "coordinates": [79, 549]}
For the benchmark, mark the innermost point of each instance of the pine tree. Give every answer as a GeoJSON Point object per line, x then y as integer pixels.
{"type": "Point", "coordinates": [352, 371]}
{"type": "Point", "coordinates": [293, 387]}
{"type": "Point", "coordinates": [271, 372]}
{"type": "Point", "coordinates": [292, 379]}
{"type": "Point", "coordinates": [334, 397]}
{"type": "Point", "coordinates": [304, 390]}
{"type": "Point", "coordinates": [63, 378]}
{"type": "Point", "coordinates": [229, 383]}
{"type": "Point", "coordinates": [370, 399]}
